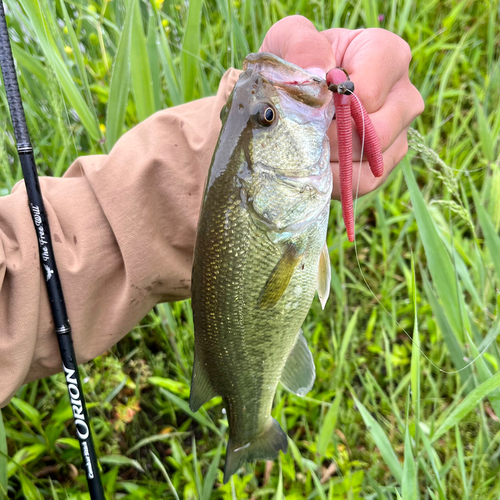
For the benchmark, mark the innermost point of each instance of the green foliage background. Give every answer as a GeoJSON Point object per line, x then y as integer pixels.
{"type": "Point", "coordinates": [386, 418]}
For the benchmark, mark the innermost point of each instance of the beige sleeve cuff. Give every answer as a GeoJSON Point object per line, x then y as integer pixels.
{"type": "Point", "coordinates": [123, 228]}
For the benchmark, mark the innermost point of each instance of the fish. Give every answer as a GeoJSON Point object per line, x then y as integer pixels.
{"type": "Point", "coordinates": [260, 251]}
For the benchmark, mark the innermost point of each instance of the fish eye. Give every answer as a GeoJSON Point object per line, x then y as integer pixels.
{"type": "Point", "coordinates": [266, 114]}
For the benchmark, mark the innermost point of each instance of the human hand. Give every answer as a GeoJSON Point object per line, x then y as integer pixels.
{"type": "Point", "coordinates": [377, 62]}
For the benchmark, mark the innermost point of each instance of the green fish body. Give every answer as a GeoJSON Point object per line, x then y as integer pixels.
{"type": "Point", "coordinates": [260, 251]}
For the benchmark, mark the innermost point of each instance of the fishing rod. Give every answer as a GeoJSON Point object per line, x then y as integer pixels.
{"type": "Point", "coordinates": [48, 263]}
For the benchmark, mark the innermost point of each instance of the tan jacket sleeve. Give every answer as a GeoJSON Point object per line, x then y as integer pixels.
{"type": "Point", "coordinates": [123, 227]}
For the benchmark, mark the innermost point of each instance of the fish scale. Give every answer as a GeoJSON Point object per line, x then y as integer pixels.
{"type": "Point", "coordinates": [255, 276]}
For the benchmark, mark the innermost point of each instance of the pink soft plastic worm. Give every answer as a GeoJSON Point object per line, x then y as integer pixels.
{"type": "Point", "coordinates": [345, 108]}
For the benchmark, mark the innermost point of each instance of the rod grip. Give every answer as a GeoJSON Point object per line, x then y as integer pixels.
{"type": "Point", "coordinates": [11, 85]}
{"type": "Point", "coordinates": [81, 416]}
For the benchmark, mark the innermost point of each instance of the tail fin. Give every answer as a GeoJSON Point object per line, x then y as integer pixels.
{"type": "Point", "coordinates": [264, 446]}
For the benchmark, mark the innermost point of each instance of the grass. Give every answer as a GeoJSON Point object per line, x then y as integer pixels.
{"type": "Point", "coordinates": [388, 418]}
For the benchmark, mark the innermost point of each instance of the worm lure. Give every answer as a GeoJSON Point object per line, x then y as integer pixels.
{"type": "Point", "coordinates": [346, 108]}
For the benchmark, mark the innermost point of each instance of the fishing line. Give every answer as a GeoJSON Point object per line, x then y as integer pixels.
{"type": "Point", "coordinates": [453, 372]}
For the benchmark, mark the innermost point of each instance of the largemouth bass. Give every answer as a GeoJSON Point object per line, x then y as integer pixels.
{"type": "Point", "coordinates": [260, 251]}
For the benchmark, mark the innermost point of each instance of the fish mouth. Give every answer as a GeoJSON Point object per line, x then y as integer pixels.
{"type": "Point", "coordinates": [295, 81]}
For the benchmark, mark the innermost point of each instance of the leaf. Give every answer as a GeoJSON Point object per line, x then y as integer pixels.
{"type": "Point", "coordinates": [75, 45]}
{"type": "Point", "coordinates": [71, 442]}
{"type": "Point", "coordinates": [208, 484]}
{"type": "Point", "coordinates": [142, 83]}
{"type": "Point", "coordinates": [438, 259]}
{"type": "Point", "coordinates": [467, 405]}
{"type": "Point", "coordinates": [485, 135]}
{"type": "Point", "coordinates": [25, 456]}
{"type": "Point", "coordinates": [490, 235]}
{"type": "Point", "coordinates": [279, 489]}
{"type": "Point", "coordinates": [119, 86]}
{"type": "Point", "coordinates": [191, 50]}
{"type": "Point", "coordinates": [184, 406]}
{"type": "Point", "coordinates": [346, 339]}
{"type": "Point", "coordinates": [461, 462]}
{"type": "Point", "coordinates": [66, 82]}
{"type": "Point", "coordinates": [154, 62]}
{"type": "Point", "coordinates": [32, 414]}
{"type": "Point", "coordinates": [30, 491]}
{"type": "Point", "coordinates": [382, 441]}
{"type": "Point", "coordinates": [409, 481]}
{"type": "Point", "coordinates": [452, 343]}
{"type": "Point", "coordinates": [319, 487]}
{"type": "Point", "coordinates": [329, 423]}
{"type": "Point", "coordinates": [121, 460]}
{"type": "Point", "coordinates": [169, 69]}
{"type": "Point", "coordinates": [30, 63]}
{"type": "Point", "coordinates": [160, 466]}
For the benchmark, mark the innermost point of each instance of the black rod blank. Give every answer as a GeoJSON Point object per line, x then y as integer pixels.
{"type": "Point", "coordinates": [48, 263]}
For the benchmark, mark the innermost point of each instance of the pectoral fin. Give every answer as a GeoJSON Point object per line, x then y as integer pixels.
{"type": "Point", "coordinates": [280, 278]}
{"type": "Point", "coordinates": [201, 389]}
{"type": "Point", "coordinates": [324, 275]}
{"type": "Point", "coordinates": [299, 372]}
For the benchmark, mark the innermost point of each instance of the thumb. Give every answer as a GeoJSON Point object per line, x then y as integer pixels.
{"type": "Point", "coordinates": [296, 40]}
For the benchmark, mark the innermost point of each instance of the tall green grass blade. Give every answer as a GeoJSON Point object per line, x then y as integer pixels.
{"type": "Point", "coordinates": [279, 489]}
{"type": "Point", "coordinates": [119, 86]}
{"type": "Point", "coordinates": [484, 374]}
{"type": "Point", "coordinates": [490, 235]}
{"type": "Point", "coordinates": [160, 466]}
{"type": "Point", "coordinates": [452, 343]}
{"type": "Point", "coordinates": [75, 45]}
{"type": "Point", "coordinates": [461, 462]}
{"type": "Point", "coordinates": [30, 491]}
{"type": "Point", "coordinates": [439, 262]}
{"type": "Point", "coordinates": [346, 339]}
{"type": "Point", "coordinates": [317, 483]}
{"type": "Point", "coordinates": [409, 488]}
{"type": "Point", "coordinates": [121, 460]}
{"type": "Point", "coordinates": [169, 70]}
{"type": "Point", "coordinates": [66, 82]}
{"type": "Point", "coordinates": [198, 416]}
{"type": "Point", "coordinates": [485, 135]}
{"type": "Point", "coordinates": [30, 63]}
{"type": "Point", "coordinates": [370, 10]}
{"type": "Point", "coordinates": [415, 362]}
{"type": "Point", "coordinates": [191, 50]}
{"type": "Point", "coordinates": [467, 405]}
{"type": "Point", "coordinates": [3, 460]}
{"type": "Point", "coordinates": [196, 467]}
{"type": "Point", "coordinates": [142, 82]}
{"type": "Point", "coordinates": [209, 481]}
{"type": "Point", "coordinates": [382, 441]}
{"type": "Point", "coordinates": [154, 62]}
{"type": "Point", "coordinates": [329, 423]}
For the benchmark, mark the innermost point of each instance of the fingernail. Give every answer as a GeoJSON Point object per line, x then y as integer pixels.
{"type": "Point", "coordinates": [317, 71]}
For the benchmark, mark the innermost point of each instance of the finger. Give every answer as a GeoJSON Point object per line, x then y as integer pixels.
{"type": "Point", "coordinates": [296, 40]}
{"type": "Point", "coordinates": [367, 181]}
{"type": "Point", "coordinates": [401, 107]}
{"type": "Point", "coordinates": [375, 60]}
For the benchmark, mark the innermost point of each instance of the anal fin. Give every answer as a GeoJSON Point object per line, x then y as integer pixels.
{"type": "Point", "coordinates": [265, 446]}
{"type": "Point", "coordinates": [324, 275]}
{"type": "Point", "coordinates": [280, 277]}
{"type": "Point", "coordinates": [201, 388]}
{"type": "Point", "coordinates": [299, 372]}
